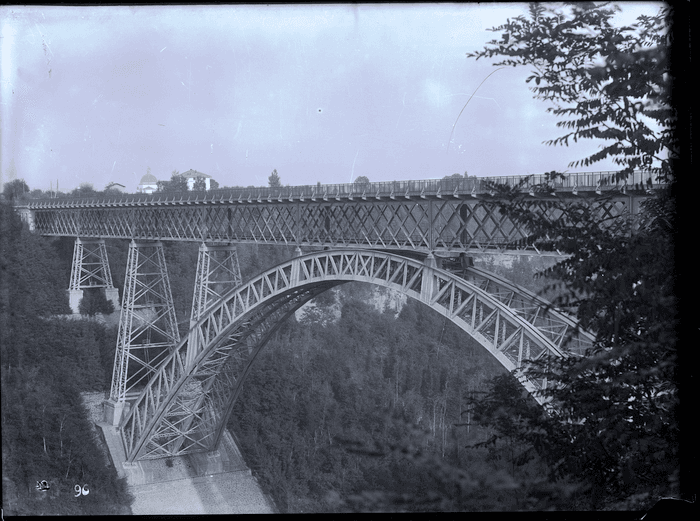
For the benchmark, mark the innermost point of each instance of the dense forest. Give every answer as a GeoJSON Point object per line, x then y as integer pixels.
{"type": "Point", "coordinates": [370, 411]}
{"type": "Point", "coordinates": [47, 361]}
{"type": "Point", "coordinates": [335, 416]}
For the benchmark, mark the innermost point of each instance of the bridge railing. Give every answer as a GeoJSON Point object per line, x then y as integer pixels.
{"type": "Point", "coordinates": [396, 189]}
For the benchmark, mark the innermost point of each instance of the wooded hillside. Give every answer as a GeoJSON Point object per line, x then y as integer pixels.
{"type": "Point", "coordinates": [47, 361]}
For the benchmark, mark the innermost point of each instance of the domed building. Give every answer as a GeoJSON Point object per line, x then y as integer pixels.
{"type": "Point", "coordinates": [148, 184]}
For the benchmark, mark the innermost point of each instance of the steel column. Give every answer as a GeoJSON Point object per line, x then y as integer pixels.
{"type": "Point", "coordinates": [147, 324]}
{"type": "Point", "coordinates": [218, 272]}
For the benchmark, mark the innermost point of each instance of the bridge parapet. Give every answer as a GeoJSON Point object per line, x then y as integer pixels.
{"type": "Point", "coordinates": [427, 188]}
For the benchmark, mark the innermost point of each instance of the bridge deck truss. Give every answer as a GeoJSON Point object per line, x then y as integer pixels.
{"type": "Point", "coordinates": [184, 407]}
{"type": "Point", "coordinates": [441, 223]}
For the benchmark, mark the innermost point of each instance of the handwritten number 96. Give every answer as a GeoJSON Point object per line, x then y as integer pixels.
{"type": "Point", "coordinates": [81, 491]}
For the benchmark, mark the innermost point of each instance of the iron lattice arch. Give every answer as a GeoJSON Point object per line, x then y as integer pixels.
{"type": "Point", "coordinates": [185, 406]}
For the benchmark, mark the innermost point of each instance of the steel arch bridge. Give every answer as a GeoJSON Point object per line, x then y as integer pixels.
{"type": "Point", "coordinates": [186, 403]}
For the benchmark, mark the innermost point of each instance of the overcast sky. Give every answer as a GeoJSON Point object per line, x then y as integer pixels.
{"type": "Point", "coordinates": [320, 93]}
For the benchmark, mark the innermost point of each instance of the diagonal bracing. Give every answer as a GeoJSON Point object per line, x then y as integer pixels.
{"type": "Point", "coordinates": [90, 267]}
{"type": "Point", "coordinates": [147, 324]}
{"type": "Point", "coordinates": [434, 222]}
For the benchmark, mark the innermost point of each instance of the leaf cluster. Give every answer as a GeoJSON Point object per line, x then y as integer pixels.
{"type": "Point", "coordinates": [613, 422]}
{"type": "Point", "coordinates": [274, 180]}
{"type": "Point", "coordinates": [15, 190]}
{"type": "Point", "coordinates": [608, 83]}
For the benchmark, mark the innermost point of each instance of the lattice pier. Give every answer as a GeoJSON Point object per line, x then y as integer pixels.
{"type": "Point", "coordinates": [147, 325]}
{"type": "Point", "coordinates": [90, 269]}
{"type": "Point", "coordinates": [218, 272]}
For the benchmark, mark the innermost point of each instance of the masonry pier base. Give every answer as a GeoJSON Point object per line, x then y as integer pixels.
{"type": "Point", "coordinates": [114, 411]}
{"type": "Point", "coordinates": [74, 298]}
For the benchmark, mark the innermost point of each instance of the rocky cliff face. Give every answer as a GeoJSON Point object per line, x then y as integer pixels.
{"type": "Point", "coordinates": [382, 299]}
{"type": "Point", "coordinates": [503, 261]}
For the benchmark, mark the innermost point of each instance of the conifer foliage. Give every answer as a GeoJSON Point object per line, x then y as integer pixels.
{"type": "Point", "coordinates": [94, 302]}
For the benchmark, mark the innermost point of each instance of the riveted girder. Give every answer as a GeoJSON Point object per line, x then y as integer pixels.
{"type": "Point", "coordinates": [185, 405]}
{"type": "Point", "coordinates": [422, 225]}
{"type": "Point", "coordinates": [147, 324]}
{"type": "Point", "coordinates": [561, 329]}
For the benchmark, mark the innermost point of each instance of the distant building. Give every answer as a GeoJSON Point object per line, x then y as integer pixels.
{"type": "Point", "coordinates": [148, 184]}
{"type": "Point", "coordinates": [115, 186]}
{"type": "Point", "coordinates": [193, 175]}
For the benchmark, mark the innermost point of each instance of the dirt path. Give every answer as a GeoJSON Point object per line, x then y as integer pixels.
{"type": "Point", "coordinates": [228, 493]}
